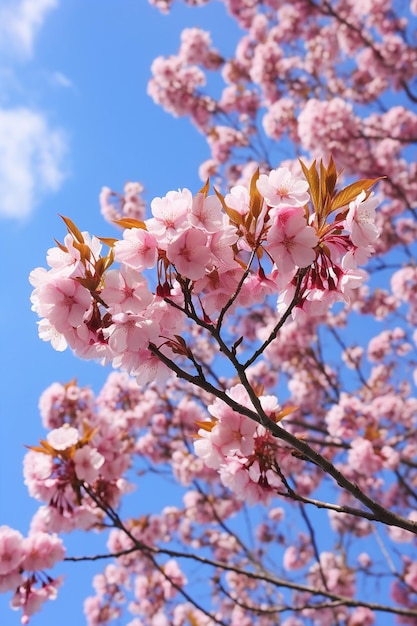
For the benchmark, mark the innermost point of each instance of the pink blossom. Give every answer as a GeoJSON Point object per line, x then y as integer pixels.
{"type": "Point", "coordinates": [130, 333]}
{"type": "Point", "coordinates": [222, 139]}
{"type": "Point", "coordinates": [364, 560]}
{"type": "Point", "coordinates": [10, 581]}
{"type": "Point", "coordinates": [360, 220]}
{"type": "Point", "coordinates": [87, 463]}
{"type": "Point", "coordinates": [221, 247]}
{"type": "Point", "coordinates": [64, 302]}
{"type": "Point", "coordinates": [190, 254]}
{"type": "Point", "coordinates": [279, 118]}
{"type": "Point", "coordinates": [67, 263]}
{"type": "Point", "coordinates": [37, 470]}
{"type": "Point", "coordinates": [238, 199]}
{"type": "Point", "coordinates": [173, 575]}
{"type": "Point", "coordinates": [138, 249]}
{"type": "Point", "coordinates": [174, 84]}
{"type": "Point", "coordinates": [291, 241]}
{"type": "Point", "coordinates": [115, 206]}
{"type": "Point", "coordinates": [339, 579]}
{"type": "Point", "coordinates": [47, 332]}
{"type": "Point", "coordinates": [63, 438]}
{"type": "Point", "coordinates": [206, 213]}
{"type": "Point", "coordinates": [42, 551]}
{"type": "Point", "coordinates": [169, 214]}
{"type": "Point", "coordinates": [233, 432]}
{"type": "Point", "coordinates": [196, 48]}
{"type": "Point", "coordinates": [32, 599]}
{"type": "Point", "coordinates": [327, 127]}
{"type": "Point", "coordinates": [410, 577]}
{"type": "Point", "coordinates": [297, 556]}
{"type": "Point", "coordinates": [363, 458]}
{"type": "Point", "coordinates": [126, 291]}
{"type": "Point", "coordinates": [149, 368]}
{"type": "Point", "coordinates": [12, 551]}
{"type": "Point", "coordinates": [280, 188]}
{"type": "Point", "coordinates": [361, 616]}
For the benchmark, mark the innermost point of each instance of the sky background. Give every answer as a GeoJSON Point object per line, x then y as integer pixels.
{"type": "Point", "coordinates": [74, 116]}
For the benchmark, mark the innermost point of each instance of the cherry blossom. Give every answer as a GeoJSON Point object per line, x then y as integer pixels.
{"type": "Point", "coordinates": [138, 249]}
{"type": "Point", "coordinates": [279, 188]}
{"type": "Point", "coordinates": [290, 241]}
{"type": "Point", "coordinates": [360, 220]}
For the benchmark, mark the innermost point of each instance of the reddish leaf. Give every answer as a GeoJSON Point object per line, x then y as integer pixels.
{"type": "Point", "coordinates": [129, 222]}
{"type": "Point", "coordinates": [312, 178]}
{"type": "Point", "coordinates": [205, 188]}
{"type": "Point", "coordinates": [108, 241]}
{"type": "Point", "coordinates": [72, 228]}
{"type": "Point", "coordinates": [350, 192]}
{"type": "Point", "coordinates": [207, 426]}
{"type": "Point", "coordinates": [235, 216]}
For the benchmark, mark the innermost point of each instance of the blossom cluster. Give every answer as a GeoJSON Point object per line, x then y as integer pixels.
{"type": "Point", "coordinates": [81, 463]}
{"type": "Point", "coordinates": [250, 461]}
{"type": "Point", "coordinates": [287, 79]}
{"type": "Point", "coordinates": [22, 564]}
{"type": "Point", "coordinates": [211, 253]}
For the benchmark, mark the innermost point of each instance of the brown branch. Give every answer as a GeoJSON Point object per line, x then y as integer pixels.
{"type": "Point", "coordinates": [258, 415]}
{"type": "Point", "coordinates": [147, 552]}
{"type": "Point", "coordinates": [280, 324]}
{"type": "Point", "coordinates": [267, 578]}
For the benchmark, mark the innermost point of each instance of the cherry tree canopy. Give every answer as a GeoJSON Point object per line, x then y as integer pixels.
{"type": "Point", "coordinates": [262, 330]}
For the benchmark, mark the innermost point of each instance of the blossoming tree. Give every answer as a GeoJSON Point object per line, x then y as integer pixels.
{"type": "Point", "coordinates": [258, 363]}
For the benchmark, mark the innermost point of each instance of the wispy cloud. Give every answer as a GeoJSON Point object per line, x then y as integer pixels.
{"type": "Point", "coordinates": [20, 21]}
{"type": "Point", "coordinates": [60, 79]}
{"type": "Point", "coordinates": [32, 151]}
{"type": "Point", "coordinates": [32, 156]}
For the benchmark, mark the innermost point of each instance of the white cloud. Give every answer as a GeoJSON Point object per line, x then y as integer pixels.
{"type": "Point", "coordinates": [31, 160]}
{"type": "Point", "coordinates": [19, 23]}
{"type": "Point", "coordinates": [60, 79]}
{"type": "Point", "coordinates": [32, 152]}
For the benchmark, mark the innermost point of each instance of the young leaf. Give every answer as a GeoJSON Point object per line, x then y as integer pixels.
{"type": "Point", "coordinates": [205, 188]}
{"type": "Point", "coordinates": [350, 192]}
{"type": "Point", "coordinates": [312, 178]}
{"type": "Point", "coordinates": [108, 241]}
{"type": "Point", "coordinates": [235, 216]}
{"type": "Point", "coordinates": [256, 200]}
{"type": "Point", "coordinates": [72, 228]}
{"type": "Point", "coordinates": [331, 177]}
{"type": "Point", "coordinates": [129, 222]}
{"type": "Point", "coordinates": [207, 426]}
{"type": "Point", "coordinates": [84, 250]}
{"type": "Point", "coordinates": [61, 246]}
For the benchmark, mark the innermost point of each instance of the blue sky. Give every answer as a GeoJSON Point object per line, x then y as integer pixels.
{"type": "Point", "coordinates": [74, 116]}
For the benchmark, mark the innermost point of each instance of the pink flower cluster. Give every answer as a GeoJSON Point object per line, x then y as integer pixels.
{"type": "Point", "coordinates": [288, 71]}
{"type": "Point", "coordinates": [115, 206]}
{"type": "Point", "coordinates": [85, 454]}
{"type": "Point", "coordinates": [252, 243]}
{"type": "Point", "coordinates": [245, 454]}
{"type": "Point", "coordinates": [22, 564]}
{"type": "Point", "coordinates": [177, 80]}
